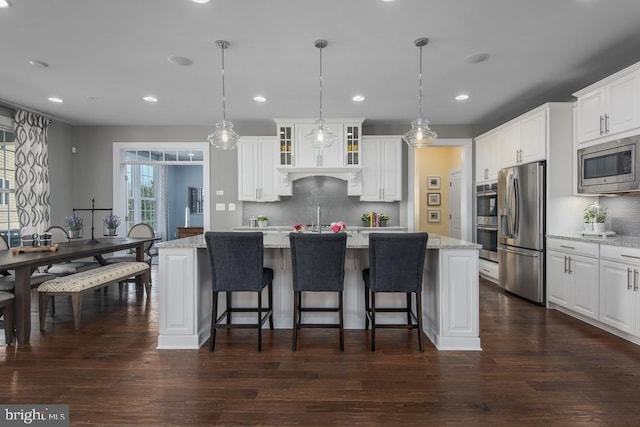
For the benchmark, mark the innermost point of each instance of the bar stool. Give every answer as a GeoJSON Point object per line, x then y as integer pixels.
{"type": "Point", "coordinates": [237, 266]}
{"type": "Point", "coordinates": [317, 262]}
{"type": "Point", "coordinates": [396, 262]}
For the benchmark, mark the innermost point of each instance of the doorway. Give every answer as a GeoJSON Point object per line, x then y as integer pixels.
{"type": "Point", "coordinates": [146, 184]}
{"type": "Point", "coordinates": [455, 217]}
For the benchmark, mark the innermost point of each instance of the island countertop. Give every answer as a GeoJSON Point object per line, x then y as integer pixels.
{"type": "Point", "coordinates": [354, 241]}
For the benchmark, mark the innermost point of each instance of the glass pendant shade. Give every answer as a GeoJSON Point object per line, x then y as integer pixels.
{"type": "Point", "coordinates": [320, 136]}
{"type": "Point", "coordinates": [224, 137]}
{"type": "Point", "coordinates": [420, 135]}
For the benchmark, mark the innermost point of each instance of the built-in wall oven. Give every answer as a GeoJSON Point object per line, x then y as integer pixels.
{"type": "Point", "coordinates": [487, 220]}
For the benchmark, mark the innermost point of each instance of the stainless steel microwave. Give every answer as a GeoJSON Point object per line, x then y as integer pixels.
{"type": "Point", "coordinates": [610, 167]}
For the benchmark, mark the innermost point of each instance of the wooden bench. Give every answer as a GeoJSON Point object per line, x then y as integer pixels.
{"type": "Point", "coordinates": [75, 285]}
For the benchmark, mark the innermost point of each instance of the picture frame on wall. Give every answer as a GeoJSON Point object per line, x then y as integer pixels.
{"type": "Point", "coordinates": [433, 215]}
{"type": "Point", "coordinates": [433, 182]}
{"type": "Point", "coordinates": [433, 199]}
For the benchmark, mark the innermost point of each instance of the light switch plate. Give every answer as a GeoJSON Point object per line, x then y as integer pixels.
{"type": "Point", "coordinates": [219, 192]}
{"type": "Point", "coordinates": [220, 206]}
{"type": "Point", "coordinates": [232, 206]}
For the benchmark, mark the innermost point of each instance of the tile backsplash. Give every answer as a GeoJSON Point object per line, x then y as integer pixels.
{"type": "Point", "coordinates": [328, 192]}
{"type": "Point", "coordinates": [624, 213]}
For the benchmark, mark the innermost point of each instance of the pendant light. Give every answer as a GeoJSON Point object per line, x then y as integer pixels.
{"type": "Point", "coordinates": [224, 137]}
{"type": "Point", "coordinates": [420, 134]}
{"type": "Point", "coordinates": [321, 136]}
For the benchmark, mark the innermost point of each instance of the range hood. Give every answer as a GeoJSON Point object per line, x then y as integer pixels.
{"type": "Point", "coordinates": [350, 174]}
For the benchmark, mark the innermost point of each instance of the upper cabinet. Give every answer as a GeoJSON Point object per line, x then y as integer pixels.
{"type": "Point", "coordinates": [610, 108]}
{"type": "Point", "coordinates": [297, 153]}
{"type": "Point", "coordinates": [382, 169]}
{"type": "Point", "coordinates": [521, 140]}
{"type": "Point", "coordinates": [257, 179]}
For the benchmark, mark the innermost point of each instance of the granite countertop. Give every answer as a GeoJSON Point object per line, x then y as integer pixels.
{"type": "Point", "coordinates": [627, 241]}
{"type": "Point", "coordinates": [354, 241]}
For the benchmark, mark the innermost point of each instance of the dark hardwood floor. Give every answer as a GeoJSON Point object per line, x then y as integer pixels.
{"type": "Point", "coordinates": [537, 367]}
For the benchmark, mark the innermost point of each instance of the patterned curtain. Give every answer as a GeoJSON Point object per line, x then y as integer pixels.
{"type": "Point", "coordinates": [32, 172]}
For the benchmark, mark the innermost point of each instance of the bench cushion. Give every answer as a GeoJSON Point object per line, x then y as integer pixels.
{"type": "Point", "coordinates": [93, 278]}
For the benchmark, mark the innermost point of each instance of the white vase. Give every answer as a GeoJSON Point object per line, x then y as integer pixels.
{"type": "Point", "coordinates": [598, 227]}
{"type": "Point", "coordinates": [262, 224]}
{"type": "Point", "coordinates": [75, 234]}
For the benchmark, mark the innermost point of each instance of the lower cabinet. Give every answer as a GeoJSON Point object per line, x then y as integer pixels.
{"type": "Point", "coordinates": [602, 288]}
{"type": "Point", "coordinates": [572, 282]}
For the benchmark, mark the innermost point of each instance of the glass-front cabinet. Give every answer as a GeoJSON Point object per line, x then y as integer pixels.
{"type": "Point", "coordinates": [285, 135]}
{"type": "Point", "coordinates": [295, 153]}
{"type": "Point", "coordinates": [352, 136]}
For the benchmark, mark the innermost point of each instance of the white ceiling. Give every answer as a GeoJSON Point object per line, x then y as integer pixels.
{"type": "Point", "coordinates": [104, 56]}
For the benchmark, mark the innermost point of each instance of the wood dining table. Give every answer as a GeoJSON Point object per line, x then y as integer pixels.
{"type": "Point", "coordinates": [24, 264]}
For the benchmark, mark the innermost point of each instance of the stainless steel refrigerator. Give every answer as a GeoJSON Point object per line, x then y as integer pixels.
{"type": "Point", "coordinates": [521, 230]}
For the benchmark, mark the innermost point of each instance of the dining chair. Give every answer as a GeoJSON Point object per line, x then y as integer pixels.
{"type": "Point", "coordinates": [396, 263]}
{"type": "Point", "coordinates": [59, 235]}
{"type": "Point", "coordinates": [142, 230]}
{"type": "Point", "coordinates": [236, 261]}
{"type": "Point", "coordinates": [8, 279]}
{"type": "Point", "coordinates": [6, 310]}
{"type": "Point", "coordinates": [317, 262]}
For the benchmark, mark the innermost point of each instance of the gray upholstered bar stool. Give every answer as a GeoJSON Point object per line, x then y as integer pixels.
{"type": "Point", "coordinates": [396, 262]}
{"type": "Point", "coordinates": [237, 266]}
{"type": "Point", "coordinates": [317, 262]}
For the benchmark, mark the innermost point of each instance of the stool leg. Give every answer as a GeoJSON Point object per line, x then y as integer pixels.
{"type": "Point", "coordinates": [214, 317]}
{"type": "Point", "coordinates": [228, 308]}
{"type": "Point", "coordinates": [366, 308]}
{"type": "Point", "coordinates": [373, 321]}
{"type": "Point", "coordinates": [419, 316]}
{"type": "Point", "coordinates": [296, 302]}
{"type": "Point", "coordinates": [341, 322]}
{"type": "Point", "coordinates": [408, 308]}
{"type": "Point", "coordinates": [259, 321]}
{"type": "Point", "coordinates": [270, 294]}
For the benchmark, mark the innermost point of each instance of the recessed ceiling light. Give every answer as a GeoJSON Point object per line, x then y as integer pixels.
{"type": "Point", "coordinates": [4, 4]}
{"type": "Point", "coordinates": [55, 99]}
{"type": "Point", "coordinates": [40, 64]}
{"type": "Point", "coordinates": [179, 60]}
{"type": "Point", "coordinates": [462, 97]}
{"type": "Point", "coordinates": [150, 98]}
{"type": "Point", "coordinates": [201, 1]}
{"type": "Point", "coordinates": [359, 98]}
{"type": "Point", "coordinates": [259, 98]}
{"type": "Point", "coordinates": [474, 58]}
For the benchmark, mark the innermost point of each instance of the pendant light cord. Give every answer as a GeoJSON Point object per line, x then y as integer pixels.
{"type": "Point", "coordinates": [224, 106]}
{"type": "Point", "coordinates": [420, 85]}
{"type": "Point", "coordinates": [321, 83]}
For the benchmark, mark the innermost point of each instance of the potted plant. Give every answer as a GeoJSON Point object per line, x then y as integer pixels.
{"type": "Point", "coordinates": [74, 225]}
{"type": "Point", "coordinates": [383, 220]}
{"type": "Point", "coordinates": [111, 223]}
{"type": "Point", "coordinates": [263, 221]}
{"type": "Point", "coordinates": [595, 217]}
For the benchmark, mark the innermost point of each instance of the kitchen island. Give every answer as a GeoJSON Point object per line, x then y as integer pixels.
{"type": "Point", "coordinates": [450, 290]}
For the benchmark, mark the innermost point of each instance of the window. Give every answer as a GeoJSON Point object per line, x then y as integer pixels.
{"type": "Point", "coordinates": [141, 197]}
{"type": "Point", "coordinates": [9, 224]}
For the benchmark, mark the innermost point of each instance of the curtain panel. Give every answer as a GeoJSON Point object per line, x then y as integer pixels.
{"type": "Point", "coordinates": [32, 171]}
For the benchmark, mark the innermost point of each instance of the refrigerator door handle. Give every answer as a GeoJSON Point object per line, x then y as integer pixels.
{"type": "Point", "coordinates": [518, 252]}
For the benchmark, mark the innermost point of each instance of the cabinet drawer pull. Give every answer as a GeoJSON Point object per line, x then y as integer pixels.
{"type": "Point", "coordinates": [569, 266]}
{"type": "Point", "coordinates": [601, 125]}
{"type": "Point", "coordinates": [628, 278]}
{"type": "Point", "coordinates": [635, 279]}
{"type": "Point", "coordinates": [486, 270]}
{"type": "Point", "coordinates": [630, 256]}
{"type": "Point", "coordinates": [567, 247]}
{"type": "Point", "coordinates": [565, 264]}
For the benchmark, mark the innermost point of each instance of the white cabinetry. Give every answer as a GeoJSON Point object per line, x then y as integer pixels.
{"type": "Point", "coordinates": [294, 151]}
{"type": "Point", "coordinates": [381, 169]}
{"type": "Point", "coordinates": [256, 169]}
{"type": "Point", "coordinates": [619, 294]}
{"type": "Point", "coordinates": [572, 275]}
{"type": "Point", "coordinates": [609, 107]}
{"type": "Point", "coordinates": [521, 140]}
{"type": "Point", "coordinates": [487, 164]}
